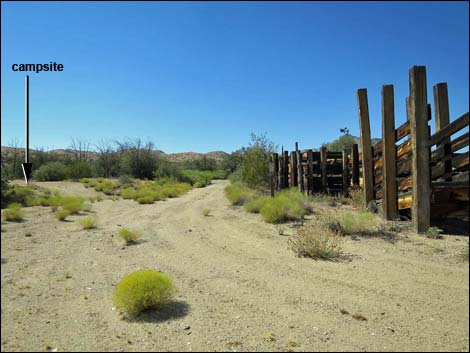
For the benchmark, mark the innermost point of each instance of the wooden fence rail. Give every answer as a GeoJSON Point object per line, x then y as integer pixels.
{"type": "Point", "coordinates": [316, 171]}
{"type": "Point", "coordinates": [410, 168]}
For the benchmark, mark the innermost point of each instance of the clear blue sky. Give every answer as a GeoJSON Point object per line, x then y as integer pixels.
{"type": "Point", "coordinates": [202, 76]}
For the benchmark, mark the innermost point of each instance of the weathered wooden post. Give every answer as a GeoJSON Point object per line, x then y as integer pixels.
{"type": "Point", "coordinates": [323, 162]}
{"type": "Point", "coordinates": [300, 174]}
{"type": "Point", "coordinates": [310, 172]}
{"type": "Point", "coordinates": [281, 172]}
{"type": "Point", "coordinates": [421, 207]}
{"type": "Point", "coordinates": [441, 109]}
{"type": "Point", "coordinates": [345, 171]}
{"type": "Point", "coordinates": [389, 155]}
{"type": "Point", "coordinates": [355, 165]}
{"type": "Point", "coordinates": [292, 168]}
{"type": "Point", "coordinates": [367, 165]}
{"type": "Point", "coordinates": [271, 174]}
{"type": "Point", "coordinates": [276, 171]}
{"type": "Point", "coordinates": [286, 169]}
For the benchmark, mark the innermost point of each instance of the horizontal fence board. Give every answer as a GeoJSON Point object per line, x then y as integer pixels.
{"type": "Point", "coordinates": [450, 129]}
{"type": "Point", "coordinates": [457, 144]}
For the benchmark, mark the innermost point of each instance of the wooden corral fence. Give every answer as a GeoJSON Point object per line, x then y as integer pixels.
{"type": "Point", "coordinates": [315, 171]}
{"type": "Point", "coordinates": [410, 168]}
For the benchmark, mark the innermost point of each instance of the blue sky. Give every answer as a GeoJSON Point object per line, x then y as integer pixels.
{"type": "Point", "coordinates": [202, 76]}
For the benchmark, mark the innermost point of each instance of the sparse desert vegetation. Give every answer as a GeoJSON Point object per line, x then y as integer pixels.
{"type": "Point", "coordinates": [88, 222]}
{"type": "Point", "coordinates": [129, 236]}
{"type": "Point", "coordinates": [143, 289]}
{"type": "Point", "coordinates": [13, 213]}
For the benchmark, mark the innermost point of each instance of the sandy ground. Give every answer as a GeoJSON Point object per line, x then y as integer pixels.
{"type": "Point", "coordinates": [239, 286]}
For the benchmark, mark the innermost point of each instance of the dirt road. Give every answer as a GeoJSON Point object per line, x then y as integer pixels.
{"type": "Point", "coordinates": [239, 286]}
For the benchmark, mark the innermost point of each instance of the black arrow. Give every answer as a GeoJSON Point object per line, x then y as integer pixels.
{"type": "Point", "coordinates": [27, 167]}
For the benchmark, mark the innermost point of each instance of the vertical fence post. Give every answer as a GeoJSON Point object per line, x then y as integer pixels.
{"type": "Point", "coordinates": [441, 109]}
{"type": "Point", "coordinates": [276, 171]}
{"type": "Point", "coordinates": [324, 178]}
{"type": "Point", "coordinates": [355, 164]}
{"type": "Point", "coordinates": [300, 170]}
{"type": "Point", "coordinates": [367, 165]}
{"type": "Point", "coordinates": [310, 172]}
{"type": "Point", "coordinates": [292, 168]}
{"type": "Point", "coordinates": [389, 155]}
{"type": "Point", "coordinates": [281, 172]}
{"type": "Point", "coordinates": [421, 207]}
{"type": "Point", "coordinates": [345, 171]}
{"type": "Point", "coordinates": [286, 169]}
{"type": "Point", "coordinates": [271, 174]}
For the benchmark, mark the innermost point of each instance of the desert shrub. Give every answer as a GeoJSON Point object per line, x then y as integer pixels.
{"type": "Point", "coordinates": [360, 222]}
{"type": "Point", "coordinates": [206, 212]}
{"type": "Point", "coordinates": [255, 161]}
{"type": "Point", "coordinates": [174, 189]}
{"type": "Point", "coordinates": [316, 242]}
{"type": "Point", "coordinates": [62, 214]}
{"type": "Point", "coordinates": [52, 171]}
{"type": "Point", "coordinates": [197, 185]}
{"type": "Point", "coordinates": [286, 205]}
{"type": "Point", "coordinates": [99, 198]}
{"type": "Point", "coordinates": [87, 206]}
{"type": "Point", "coordinates": [238, 194]}
{"type": "Point", "coordinates": [143, 289]}
{"type": "Point", "coordinates": [145, 200]}
{"type": "Point", "coordinates": [13, 213]}
{"type": "Point", "coordinates": [255, 205]}
{"type": "Point", "coordinates": [125, 181]}
{"type": "Point", "coordinates": [88, 222]}
{"type": "Point", "coordinates": [128, 193]}
{"type": "Point", "coordinates": [23, 195]}
{"type": "Point", "coordinates": [129, 236]}
{"type": "Point", "coordinates": [78, 170]}
{"type": "Point", "coordinates": [434, 233]}
{"type": "Point", "coordinates": [357, 197]}
{"type": "Point", "coordinates": [73, 204]}
{"type": "Point", "coordinates": [85, 180]}
{"type": "Point", "coordinates": [107, 186]}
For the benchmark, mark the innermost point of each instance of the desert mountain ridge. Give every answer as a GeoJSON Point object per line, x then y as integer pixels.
{"type": "Point", "coordinates": [174, 157]}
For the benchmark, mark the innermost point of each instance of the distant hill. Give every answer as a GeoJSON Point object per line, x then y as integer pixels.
{"type": "Point", "coordinates": [174, 157]}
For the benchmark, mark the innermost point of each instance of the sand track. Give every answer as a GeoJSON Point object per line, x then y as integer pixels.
{"type": "Point", "coordinates": [240, 287]}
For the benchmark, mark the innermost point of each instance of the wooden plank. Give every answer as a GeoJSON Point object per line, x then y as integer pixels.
{"type": "Point", "coordinates": [441, 106]}
{"type": "Point", "coordinates": [421, 177]}
{"type": "Point", "coordinates": [460, 162]}
{"type": "Point", "coordinates": [334, 155]}
{"type": "Point", "coordinates": [324, 182]}
{"type": "Point", "coordinates": [452, 128]}
{"type": "Point", "coordinates": [345, 172]}
{"type": "Point", "coordinates": [367, 167]}
{"type": "Point", "coordinates": [460, 142]}
{"type": "Point", "coordinates": [286, 169]}
{"type": "Point", "coordinates": [355, 164]}
{"type": "Point", "coordinates": [389, 170]}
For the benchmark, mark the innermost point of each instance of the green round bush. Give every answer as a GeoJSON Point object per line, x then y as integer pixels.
{"type": "Point", "coordinates": [142, 289]}
{"type": "Point", "coordinates": [53, 171]}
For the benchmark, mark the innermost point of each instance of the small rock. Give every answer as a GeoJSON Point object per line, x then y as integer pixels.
{"type": "Point", "coordinates": [28, 235]}
{"type": "Point", "coordinates": [187, 328]}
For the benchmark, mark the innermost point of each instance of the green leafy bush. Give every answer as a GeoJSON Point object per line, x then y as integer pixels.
{"type": "Point", "coordinates": [52, 171]}
{"type": "Point", "coordinates": [88, 222]}
{"type": "Point", "coordinates": [255, 205]}
{"type": "Point", "coordinates": [129, 236]}
{"type": "Point", "coordinates": [143, 289]}
{"type": "Point", "coordinates": [206, 212]}
{"type": "Point", "coordinates": [23, 195]}
{"type": "Point", "coordinates": [13, 213]}
{"type": "Point", "coordinates": [198, 185]}
{"type": "Point", "coordinates": [238, 194]}
{"type": "Point", "coordinates": [73, 204]}
{"type": "Point", "coordinates": [78, 170]}
{"type": "Point", "coordinates": [286, 205]}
